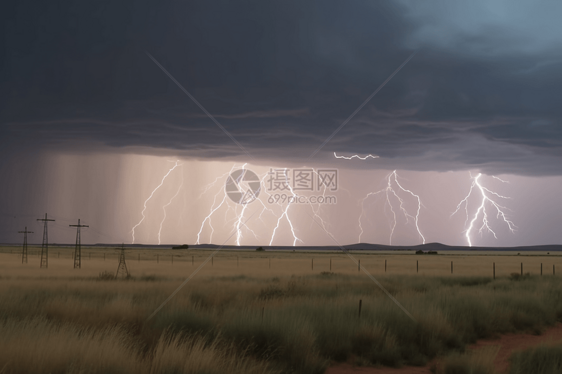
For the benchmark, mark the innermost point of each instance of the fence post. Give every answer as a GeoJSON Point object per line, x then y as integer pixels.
{"type": "Point", "coordinates": [59, 255]}
{"type": "Point", "coordinates": [330, 264]}
{"type": "Point", "coordinates": [312, 264]}
{"type": "Point", "coordinates": [213, 261]}
{"type": "Point", "coordinates": [541, 269]}
{"type": "Point", "coordinates": [192, 260]}
{"type": "Point", "coordinates": [359, 266]}
{"type": "Point", "coordinates": [417, 266]}
{"type": "Point", "coordinates": [237, 262]}
{"type": "Point", "coordinates": [451, 267]}
{"type": "Point", "coordinates": [270, 262]}
{"type": "Point", "coordinates": [360, 302]}
{"type": "Point", "coordinates": [553, 270]}
{"type": "Point", "coordinates": [138, 257]}
{"type": "Point", "coordinates": [494, 270]}
{"type": "Point", "coordinates": [385, 266]}
{"type": "Point", "coordinates": [521, 269]}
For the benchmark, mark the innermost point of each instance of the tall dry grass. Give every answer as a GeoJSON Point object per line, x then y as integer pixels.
{"type": "Point", "coordinates": [179, 353]}
{"type": "Point", "coordinates": [258, 325]}
{"type": "Point", "coordinates": [38, 345]}
{"type": "Point", "coordinates": [41, 346]}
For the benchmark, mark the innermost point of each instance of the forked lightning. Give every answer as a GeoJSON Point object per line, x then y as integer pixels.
{"type": "Point", "coordinates": [390, 191]}
{"type": "Point", "coordinates": [481, 211]}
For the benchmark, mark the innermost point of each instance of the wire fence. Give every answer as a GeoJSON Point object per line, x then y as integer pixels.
{"type": "Point", "coordinates": [446, 264]}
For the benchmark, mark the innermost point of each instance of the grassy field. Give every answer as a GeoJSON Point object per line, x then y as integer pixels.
{"type": "Point", "coordinates": [242, 315]}
{"type": "Point", "coordinates": [278, 263]}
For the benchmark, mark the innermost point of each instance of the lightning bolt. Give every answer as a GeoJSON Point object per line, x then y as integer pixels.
{"type": "Point", "coordinates": [238, 221]}
{"type": "Point", "coordinates": [485, 198]}
{"type": "Point", "coordinates": [316, 212]}
{"type": "Point", "coordinates": [390, 191]}
{"type": "Point", "coordinates": [150, 197]}
{"type": "Point", "coordinates": [243, 199]}
{"type": "Point", "coordinates": [264, 207]}
{"type": "Point", "coordinates": [221, 200]}
{"type": "Point", "coordinates": [355, 156]}
{"type": "Point", "coordinates": [419, 205]}
{"type": "Point", "coordinates": [167, 205]}
{"type": "Point", "coordinates": [286, 215]}
{"type": "Point", "coordinates": [498, 178]}
{"type": "Point", "coordinates": [213, 207]}
{"type": "Point", "coordinates": [208, 218]}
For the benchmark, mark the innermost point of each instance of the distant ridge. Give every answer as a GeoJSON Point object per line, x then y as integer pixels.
{"type": "Point", "coordinates": [382, 247]}
{"type": "Point", "coordinates": [353, 247]}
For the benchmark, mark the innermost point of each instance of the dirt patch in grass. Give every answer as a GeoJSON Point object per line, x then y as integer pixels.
{"type": "Point", "coordinates": [515, 342]}
{"type": "Point", "coordinates": [350, 369]}
{"type": "Point", "coordinates": [507, 344]}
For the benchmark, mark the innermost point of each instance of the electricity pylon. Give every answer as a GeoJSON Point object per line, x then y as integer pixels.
{"type": "Point", "coordinates": [24, 249]}
{"type": "Point", "coordinates": [45, 244]}
{"type": "Point", "coordinates": [122, 267]}
{"type": "Point", "coordinates": [78, 248]}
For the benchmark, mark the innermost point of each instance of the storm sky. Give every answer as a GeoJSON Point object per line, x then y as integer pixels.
{"type": "Point", "coordinates": [90, 124]}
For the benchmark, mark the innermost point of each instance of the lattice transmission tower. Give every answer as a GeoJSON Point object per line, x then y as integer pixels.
{"type": "Point", "coordinates": [78, 248]}
{"type": "Point", "coordinates": [45, 244]}
{"type": "Point", "coordinates": [122, 267]}
{"type": "Point", "coordinates": [24, 249]}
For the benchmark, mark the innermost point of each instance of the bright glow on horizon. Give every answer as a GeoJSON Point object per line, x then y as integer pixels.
{"type": "Point", "coordinates": [116, 193]}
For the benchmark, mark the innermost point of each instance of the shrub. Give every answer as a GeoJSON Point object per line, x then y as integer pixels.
{"type": "Point", "coordinates": [149, 278]}
{"type": "Point", "coordinates": [466, 281]}
{"type": "Point", "coordinates": [106, 275]}
{"type": "Point", "coordinates": [475, 362]}
{"type": "Point", "coordinates": [517, 276]}
{"type": "Point", "coordinates": [259, 249]}
{"type": "Point", "coordinates": [271, 292]}
{"type": "Point", "coordinates": [189, 322]}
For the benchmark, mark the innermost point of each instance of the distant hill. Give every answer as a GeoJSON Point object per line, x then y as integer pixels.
{"type": "Point", "coordinates": [381, 247]}
{"type": "Point", "coordinates": [353, 247]}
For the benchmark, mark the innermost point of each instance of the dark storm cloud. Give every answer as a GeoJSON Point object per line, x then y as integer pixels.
{"type": "Point", "coordinates": [482, 92]}
{"type": "Point", "coordinates": [484, 29]}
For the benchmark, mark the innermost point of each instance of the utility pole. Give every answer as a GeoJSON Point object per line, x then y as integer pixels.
{"type": "Point", "coordinates": [78, 248]}
{"type": "Point", "coordinates": [122, 267]}
{"type": "Point", "coordinates": [24, 249]}
{"type": "Point", "coordinates": [45, 244]}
